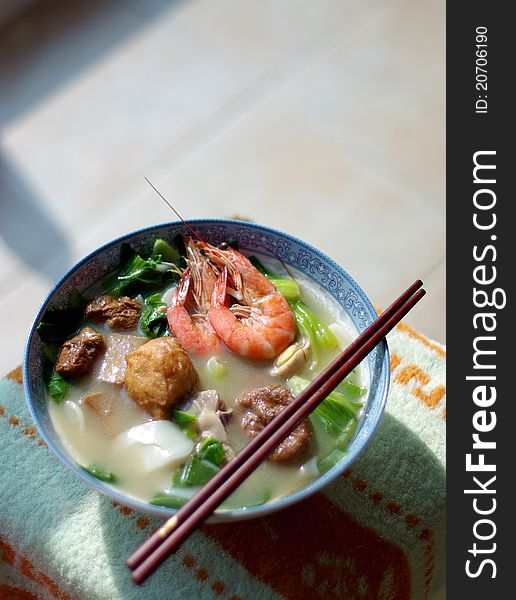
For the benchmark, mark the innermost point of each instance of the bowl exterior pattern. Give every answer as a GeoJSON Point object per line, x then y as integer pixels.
{"type": "Point", "coordinates": [250, 237]}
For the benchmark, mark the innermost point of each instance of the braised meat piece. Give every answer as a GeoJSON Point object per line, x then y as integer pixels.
{"type": "Point", "coordinates": [158, 375]}
{"type": "Point", "coordinates": [263, 404]}
{"type": "Point", "coordinates": [78, 354]}
{"type": "Point", "coordinates": [118, 313]}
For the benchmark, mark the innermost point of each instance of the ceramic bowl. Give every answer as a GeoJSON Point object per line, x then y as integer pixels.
{"type": "Point", "coordinates": [250, 237]}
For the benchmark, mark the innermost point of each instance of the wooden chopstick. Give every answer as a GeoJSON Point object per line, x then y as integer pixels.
{"type": "Point", "coordinates": [169, 536]}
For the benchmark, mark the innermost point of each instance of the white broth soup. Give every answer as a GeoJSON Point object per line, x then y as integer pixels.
{"type": "Point", "coordinates": [165, 370]}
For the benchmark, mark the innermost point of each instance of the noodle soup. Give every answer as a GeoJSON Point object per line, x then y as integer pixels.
{"type": "Point", "coordinates": [149, 392]}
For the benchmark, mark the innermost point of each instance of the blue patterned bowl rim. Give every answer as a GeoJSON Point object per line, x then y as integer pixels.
{"type": "Point", "coordinates": [250, 236]}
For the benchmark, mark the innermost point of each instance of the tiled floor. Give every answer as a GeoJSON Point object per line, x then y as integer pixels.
{"type": "Point", "coordinates": [325, 119]}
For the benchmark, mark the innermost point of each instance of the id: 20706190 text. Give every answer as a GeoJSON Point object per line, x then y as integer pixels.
{"type": "Point", "coordinates": [481, 70]}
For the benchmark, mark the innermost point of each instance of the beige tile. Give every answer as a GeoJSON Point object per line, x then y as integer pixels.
{"type": "Point", "coordinates": [283, 172]}
{"type": "Point", "coordinates": [381, 97]}
{"type": "Point", "coordinates": [343, 150]}
{"type": "Point", "coordinates": [113, 119]}
{"type": "Point", "coordinates": [301, 163]}
{"type": "Point", "coordinates": [48, 46]}
{"type": "Point", "coordinates": [430, 317]}
{"type": "Point", "coordinates": [18, 310]}
{"type": "Point", "coordinates": [249, 40]}
{"type": "Point", "coordinates": [67, 150]}
{"type": "Point", "coordinates": [117, 95]}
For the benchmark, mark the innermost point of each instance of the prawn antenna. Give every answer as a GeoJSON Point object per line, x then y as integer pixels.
{"type": "Point", "coordinates": [278, 258]}
{"type": "Point", "coordinates": [191, 229]}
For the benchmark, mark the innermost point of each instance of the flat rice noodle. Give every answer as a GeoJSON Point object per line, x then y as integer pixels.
{"type": "Point", "coordinates": [114, 364]}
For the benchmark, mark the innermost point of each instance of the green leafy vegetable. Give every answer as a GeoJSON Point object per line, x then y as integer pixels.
{"type": "Point", "coordinates": [232, 503]}
{"type": "Point", "coordinates": [137, 275]}
{"type": "Point", "coordinates": [351, 390]}
{"type": "Point", "coordinates": [57, 325]}
{"type": "Point", "coordinates": [168, 500]}
{"type": "Point", "coordinates": [265, 497]}
{"type": "Point", "coordinates": [186, 422]}
{"type": "Point", "coordinates": [286, 286]}
{"type": "Point", "coordinates": [346, 434]}
{"type": "Point", "coordinates": [196, 471]}
{"type": "Point", "coordinates": [57, 387]}
{"type": "Point", "coordinates": [100, 473]}
{"type": "Point", "coordinates": [50, 352]}
{"type": "Point", "coordinates": [153, 319]}
{"type": "Point", "coordinates": [306, 329]}
{"type": "Point", "coordinates": [256, 262]}
{"type": "Point", "coordinates": [211, 450]}
{"type": "Point", "coordinates": [320, 336]}
{"type": "Point", "coordinates": [331, 460]}
{"type": "Point", "coordinates": [334, 412]}
{"type": "Point", "coordinates": [77, 301]}
{"type": "Point", "coordinates": [164, 249]}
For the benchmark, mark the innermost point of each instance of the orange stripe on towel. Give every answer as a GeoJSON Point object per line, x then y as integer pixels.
{"type": "Point", "coordinates": [21, 563]}
{"type": "Point", "coordinates": [405, 375]}
{"type": "Point", "coordinates": [314, 550]}
{"type": "Point", "coordinates": [421, 338]}
{"type": "Point", "coordinates": [15, 375]}
{"type": "Point", "coordinates": [7, 592]}
{"type": "Point", "coordinates": [412, 520]}
{"type": "Point", "coordinates": [417, 336]}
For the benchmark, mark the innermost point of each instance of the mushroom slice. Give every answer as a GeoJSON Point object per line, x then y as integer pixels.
{"type": "Point", "coordinates": [210, 412]}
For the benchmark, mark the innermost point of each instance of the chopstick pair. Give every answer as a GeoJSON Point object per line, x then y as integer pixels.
{"type": "Point", "coordinates": [165, 540]}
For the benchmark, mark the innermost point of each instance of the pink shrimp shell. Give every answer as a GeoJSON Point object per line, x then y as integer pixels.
{"type": "Point", "coordinates": [270, 333]}
{"type": "Point", "coordinates": [198, 338]}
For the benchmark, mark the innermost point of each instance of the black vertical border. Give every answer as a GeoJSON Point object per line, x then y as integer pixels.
{"type": "Point", "coordinates": [467, 133]}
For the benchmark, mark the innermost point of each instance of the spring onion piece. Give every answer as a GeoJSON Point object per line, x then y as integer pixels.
{"type": "Point", "coordinates": [196, 471]}
{"type": "Point", "coordinates": [100, 473]}
{"type": "Point", "coordinates": [186, 422]}
{"type": "Point", "coordinates": [211, 450]}
{"type": "Point", "coordinates": [165, 250]}
{"type": "Point", "coordinates": [57, 387]}
{"type": "Point", "coordinates": [168, 501]}
{"type": "Point", "coordinates": [217, 369]}
{"type": "Point", "coordinates": [334, 412]}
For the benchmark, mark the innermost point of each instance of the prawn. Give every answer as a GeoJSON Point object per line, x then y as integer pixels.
{"type": "Point", "coordinates": [260, 323]}
{"type": "Point", "coordinates": [187, 313]}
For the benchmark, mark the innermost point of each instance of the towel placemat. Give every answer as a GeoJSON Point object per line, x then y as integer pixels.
{"type": "Point", "coordinates": [378, 532]}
